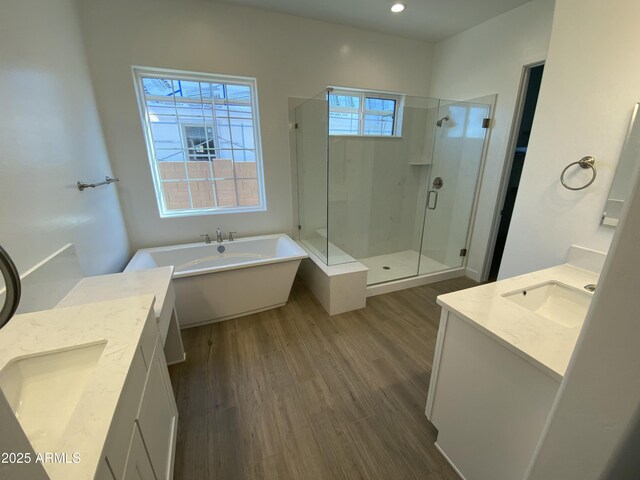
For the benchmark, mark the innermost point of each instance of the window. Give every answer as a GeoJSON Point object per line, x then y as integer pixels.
{"type": "Point", "coordinates": [203, 141]}
{"type": "Point", "coordinates": [358, 112]}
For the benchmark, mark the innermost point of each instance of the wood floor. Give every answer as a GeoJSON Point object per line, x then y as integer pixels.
{"type": "Point", "coordinates": [293, 393]}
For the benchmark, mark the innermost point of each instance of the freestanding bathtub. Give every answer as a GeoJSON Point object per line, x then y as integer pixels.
{"type": "Point", "coordinates": [215, 282]}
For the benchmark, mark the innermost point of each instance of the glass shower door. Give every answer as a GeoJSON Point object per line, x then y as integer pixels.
{"type": "Point", "coordinates": [377, 196]}
{"type": "Point", "coordinates": [452, 184]}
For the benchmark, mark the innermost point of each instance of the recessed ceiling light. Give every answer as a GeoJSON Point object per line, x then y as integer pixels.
{"type": "Point", "coordinates": [398, 7]}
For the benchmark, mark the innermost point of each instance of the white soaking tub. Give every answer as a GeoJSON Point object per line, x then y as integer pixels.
{"type": "Point", "coordinates": [215, 282]}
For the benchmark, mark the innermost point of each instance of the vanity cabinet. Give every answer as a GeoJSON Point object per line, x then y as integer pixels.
{"type": "Point", "coordinates": [488, 404]}
{"type": "Point", "coordinates": [139, 465]}
{"type": "Point", "coordinates": [158, 417]}
{"type": "Point", "coordinates": [142, 436]}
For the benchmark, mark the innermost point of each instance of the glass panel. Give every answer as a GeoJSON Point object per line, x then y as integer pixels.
{"type": "Point", "coordinates": [160, 107]}
{"type": "Point", "coordinates": [457, 155]}
{"type": "Point", "coordinates": [379, 116]}
{"type": "Point", "coordinates": [344, 123]}
{"type": "Point", "coordinates": [378, 124]}
{"type": "Point", "coordinates": [246, 170]}
{"type": "Point", "coordinates": [376, 196]}
{"type": "Point", "coordinates": [342, 101]}
{"type": "Point", "coordinates": [157, 86]}
{"type": "Point", "coordinates": [381, 104]}
{"type": "Point", "coordinates": [225, 191]}
{"type": "Point", "coordinates": [247, 192]}
{"type": "Point", "coordinates": [172, 170]}
{"type": "Point", "coordinates": [222, 168]}
{"type": "Point", "coordinates": [242, 134]}
{"type": "Point", "coordinates": [344, 113]}
{"type": "Point", "coordinates": [170, 155]}
{"type": "Point", "coordinates": [199, 142]}
{"type": "Point", "coordinates": [201, 193]}
{"type": "Point", "coordinates": [176, 195]}
{"type": "Point", "coordinates": [187, 89]}
{"type": "Point", "coordinates": [197, 170]}
{"type": "Point", "coordinates": [239, 92]}
{"type": "Point", "coordinates": [311, 147]}
{"type": "Point", "coordinates": [223, 129]}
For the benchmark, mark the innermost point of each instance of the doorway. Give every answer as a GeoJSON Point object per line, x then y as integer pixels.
{"type": "Point", "coordinates": [531, 81]}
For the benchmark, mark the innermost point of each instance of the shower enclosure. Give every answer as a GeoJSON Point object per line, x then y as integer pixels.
{"type": "Point", "coordinates": [395, 194]}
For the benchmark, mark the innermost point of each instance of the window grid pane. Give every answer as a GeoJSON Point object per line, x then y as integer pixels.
{"type": "Point", "coordinates": [363, 113]}
{"type": "Point", "coordinates": [203, 144]}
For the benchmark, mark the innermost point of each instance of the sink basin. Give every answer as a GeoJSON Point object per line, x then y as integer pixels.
{"type": "Point", "coordinates": [44, 389]}
{"type": "Point", "coordinates": [562, 304]}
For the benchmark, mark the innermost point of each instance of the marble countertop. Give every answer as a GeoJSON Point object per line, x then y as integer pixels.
{"type": "Point", "coordinates": [118, 322]}
{"type": "Point", "coordinates": [541, 342]}
{"type": "Point", "coordinates": [155, 281]}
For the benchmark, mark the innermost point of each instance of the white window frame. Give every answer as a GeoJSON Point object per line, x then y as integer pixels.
{"type": "Point", "coordinates": [140, 72]}
{"type": "Point", "coordinates": [363, 95]}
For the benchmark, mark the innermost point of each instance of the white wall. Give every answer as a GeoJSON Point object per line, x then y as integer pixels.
{"type": "Point", "coordinates": [590, 86]}
{"type": "Point", "coordinates": [50, 137]}
{"type": "Point", "coordinates": [592, 431]}
{"type": "Point", "coordinates": [484, 60]}
{"type": "Point", "coordinates": [289, 56]}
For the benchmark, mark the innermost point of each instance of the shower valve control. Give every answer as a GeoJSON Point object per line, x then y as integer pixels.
{"type": "Point", "coordinates": [437, 183]}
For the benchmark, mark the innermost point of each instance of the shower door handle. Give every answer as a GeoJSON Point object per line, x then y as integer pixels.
{"type": "Point", "coordinates": [435, 203]}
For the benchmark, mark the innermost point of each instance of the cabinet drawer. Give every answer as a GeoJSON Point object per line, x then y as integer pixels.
{"type": "Point", "coordinates": [103, 472]}
{"type": "Point", "coordinates": [117, 444]}
{"type": "Point", "coordinates": [138, 464]}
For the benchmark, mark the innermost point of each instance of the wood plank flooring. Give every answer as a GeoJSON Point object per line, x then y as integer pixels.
{"type": "Point", "coordinates": [293, 393]}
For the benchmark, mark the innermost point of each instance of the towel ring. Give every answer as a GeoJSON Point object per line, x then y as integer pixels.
{"type": "Point", "coordinates": [584, 162]}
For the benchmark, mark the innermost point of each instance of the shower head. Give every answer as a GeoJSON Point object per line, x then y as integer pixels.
{"type": "Point", "coordinates": [443, 119]}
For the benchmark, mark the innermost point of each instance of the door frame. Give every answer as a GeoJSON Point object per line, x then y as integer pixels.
{"type": "Point", "coordinates": [508, 165]}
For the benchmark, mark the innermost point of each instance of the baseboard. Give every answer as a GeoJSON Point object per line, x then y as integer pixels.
{"type": "Point", "coordinates": [455, 469]}
{"type": "Point", "coordinates": [411, 282]}
{"type": "Point", "coordinates": [473, 275]}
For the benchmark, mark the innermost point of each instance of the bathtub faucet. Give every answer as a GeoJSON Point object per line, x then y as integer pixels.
{"type": "Point", "coordinates": [219, 238]}
{"type": "Point", "coordinates": [207, 238]}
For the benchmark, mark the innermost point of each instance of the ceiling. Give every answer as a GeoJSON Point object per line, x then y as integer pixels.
{"type": "Point", "coordinates": [429, 20]}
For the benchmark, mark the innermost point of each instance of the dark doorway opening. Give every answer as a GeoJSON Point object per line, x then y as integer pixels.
{"type": "Point", "coordinates": [532, 80]}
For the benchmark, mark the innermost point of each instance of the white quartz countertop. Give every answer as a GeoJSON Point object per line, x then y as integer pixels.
{"type": "Point", "coordinates": [153, 281]}
{"type": "Point", "coordinates": [120, 324]}
{"type": "Point", "coordinates": [541, 342]}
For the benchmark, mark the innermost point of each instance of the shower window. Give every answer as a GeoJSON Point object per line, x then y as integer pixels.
{"type": "Point", "coordinates": [364, 113]}
{"type": "Point", "coordinates": [203, 141]}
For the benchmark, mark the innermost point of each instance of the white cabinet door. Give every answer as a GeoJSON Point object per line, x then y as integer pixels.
{"type": "Point", "coordinates": [138, 464]}
{"type": "Point", "coordinates": [158, 416]}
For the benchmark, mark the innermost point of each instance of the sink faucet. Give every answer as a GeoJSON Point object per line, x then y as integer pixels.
{"type": "Point", "coordinates": [219, 238]}
{"type": "Point", "coordinates": [207, 238]}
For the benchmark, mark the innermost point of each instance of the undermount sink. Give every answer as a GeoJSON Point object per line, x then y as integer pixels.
{"type": "Point", "coordinates": [562, 304]}
{"type": "Point", "coordinates": [44, 389]}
